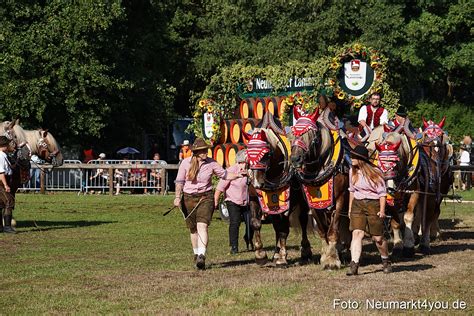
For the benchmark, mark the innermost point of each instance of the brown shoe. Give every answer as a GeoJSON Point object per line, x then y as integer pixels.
{"type": "Point", "coordinates": [354, 269]}
{"type": "Point", "coordinates": [387, 265]}
{"type": "Point", "coordinates": [201, 262]}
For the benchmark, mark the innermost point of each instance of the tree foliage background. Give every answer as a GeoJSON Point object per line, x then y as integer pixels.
{"type": "Point", "coordinates": [108, 72]}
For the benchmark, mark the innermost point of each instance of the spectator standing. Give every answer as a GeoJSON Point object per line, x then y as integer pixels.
{"type": "Point", "coordinates": [465, 159]}
{"type": "Point", "coordinates": [155, 174]}
{"type": "Point", "coordinates": [185, 151]}
{"type": "Point", "coordinates": [35, 172]}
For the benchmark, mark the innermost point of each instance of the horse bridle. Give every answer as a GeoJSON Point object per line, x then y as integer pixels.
{"type": "Point", "coordinates": [270, 185]}
{"type": "Point", "coordinates": [44, 146]}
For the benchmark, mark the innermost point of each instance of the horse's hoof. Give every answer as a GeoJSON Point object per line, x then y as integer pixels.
{"type": "Point", "coordinates": [261, 261]}
{"type": "Point", "coordinates": [282, 264]}
{"type": "Point", "coordinates": [417, 240]}
{"type": "Point", "coordinates": [332, 266]}
{"type": "Point", "coordinates": [397, 252]}
{"type": "Point", "coordinates": [425, 250]}
{"type": "Point", "coordinates": [306, 256]}
{"type": "Point", "coordinates": [408, 252]}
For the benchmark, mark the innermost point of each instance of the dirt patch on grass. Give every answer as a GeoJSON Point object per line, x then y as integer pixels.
{"type": "Point", "coordinates": [444, 276]}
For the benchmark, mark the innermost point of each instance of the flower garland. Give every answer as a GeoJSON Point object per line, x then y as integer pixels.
{"type": "Point", "coordinates": [202, 107]}
{"type": "Point", "coordinates": [307, 102]}
{"type": "Point", "coordinates": [355, 51]}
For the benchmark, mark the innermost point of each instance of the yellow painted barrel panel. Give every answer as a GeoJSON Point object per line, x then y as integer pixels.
{"type": "Point", "coordinates": [235, 131]}
{"type": "Point", "coordinates": [259, 108]}
{"type": "Point", "coordinates": [219, 154]}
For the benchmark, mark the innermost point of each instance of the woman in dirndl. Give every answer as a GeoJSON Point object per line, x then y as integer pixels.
{"type": "Point", "coordinates": [195, 196]}
{"type": "Point", "coordinates": [367, 199]}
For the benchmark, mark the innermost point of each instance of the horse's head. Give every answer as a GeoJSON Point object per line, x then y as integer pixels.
{"type": "Point", "coordinates": [433, 133]}
{"type": "Point", "coordinates": [258, 156]}
{"type": "Point", "coordinates": [12, 131]}
{"type": "Point", "coordinates": [47, 148]}
{"type": "Point", "coordinates": [435, 142]}
{"type": "Point", "coordinates": [304, 136]}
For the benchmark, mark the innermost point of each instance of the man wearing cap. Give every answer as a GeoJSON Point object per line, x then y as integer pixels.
{"type": "Point", "coordinates": [194, 195]}
{"type": "Point", "coordinates": [6, 196]}
{"type": "Point", "coordinates": [372, 115]}
{"type": "Point", "coordinates": [185, 151]}
{"type": "Point", "coordinates": [236, 198]}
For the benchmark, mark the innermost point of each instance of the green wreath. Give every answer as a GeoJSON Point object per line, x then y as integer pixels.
{"type": "Point", "coordinates": [377, 62]}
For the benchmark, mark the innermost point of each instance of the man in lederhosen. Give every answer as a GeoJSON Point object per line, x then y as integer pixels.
{"type": "Point", "coordinates": [6, 197]}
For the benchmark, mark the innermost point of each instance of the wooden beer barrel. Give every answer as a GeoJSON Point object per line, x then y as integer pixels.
{"type": "Point", "coordinates": [247, 126]}
{"type": "Point", "coordinates": [231, 151]}
{"type": "Point", "coordinates": [258, 108]}
{"type": "Point", "coordinates": [219, 154]}
{"type": "Point", "coordinates": [235, 131]}
{"type": "Point", "coordinates": [246, 108]}
{"type": "Point", "coordinates": [281, 104]}
{"type": "Point", "coordinates": [225, 127]}
{"type": "Point", "coordinates": [272, 106]}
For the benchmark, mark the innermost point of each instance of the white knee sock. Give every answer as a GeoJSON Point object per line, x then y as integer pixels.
{"type": "Point", "coordinates": [195, 250]}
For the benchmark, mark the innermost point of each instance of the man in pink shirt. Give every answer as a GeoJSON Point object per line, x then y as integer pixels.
{"type": "Point", "coordinates": [236, 198]}
{"type": "Point", "coordinates": [194, 196]}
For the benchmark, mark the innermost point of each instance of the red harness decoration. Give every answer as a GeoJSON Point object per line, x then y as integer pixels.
{"type": "Point", "coordinates": [257, 147]}
{"type": "Point", "coordinates": [274, 202]}
{"type": "Point", "coordinates": [319, 198]}
{"type": "Point", "coordinates": [303, 125]}
{"type": "Point", "coordinates": [388, 158]}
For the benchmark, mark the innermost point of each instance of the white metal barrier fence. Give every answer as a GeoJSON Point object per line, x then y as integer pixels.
{"type": "Point", "coordinates": [101, 175]}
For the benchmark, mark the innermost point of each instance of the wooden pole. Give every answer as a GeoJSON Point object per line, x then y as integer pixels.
{"type": "Point", "coordinates": [42, 182]}
{"type": "Point", "coordinates": [111, 181]}
{"type": "Point", "coordinates": [163, 181]}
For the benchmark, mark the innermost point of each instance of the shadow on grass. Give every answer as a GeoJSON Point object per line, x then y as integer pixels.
{"type": "Point", "coordinates": [449, 223]}
{"type": "Point", "coordinates": [52, 225]}
{"type": "Point", "coordinates": [457, 235]}
{"type": "Point", "coordinates": [293, 262]}
{"type": "Point", "coordinates": [404, 268]}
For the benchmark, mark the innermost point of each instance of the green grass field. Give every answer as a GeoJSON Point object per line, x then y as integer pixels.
{"type": "Point", "coordinates": [103, 254]}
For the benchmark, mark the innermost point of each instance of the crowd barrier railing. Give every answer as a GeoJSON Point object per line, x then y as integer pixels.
{"type": "Point", "coordinates": [110, 176]}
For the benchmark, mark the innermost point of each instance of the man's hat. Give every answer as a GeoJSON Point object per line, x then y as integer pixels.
{"type": "Point", "coordinates": [199, 144]}
{"type": "Point", "coordinates": [4, 141]}
{"type": "Point", "coordinates": [401, 111]}
{"type": "Point", "coordinates": [185, 143]}
{"type": "Point", "coordinates": [102, 155]}
{"type": "Point", "coordinates": [360, 152]}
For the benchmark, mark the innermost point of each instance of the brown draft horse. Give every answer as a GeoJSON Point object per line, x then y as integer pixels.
{"type": "Point", "coordinates": [311, 153]}
{"type": "Point", "coordinates": [435, 178]}
{"type": "Point", "coordinates": [269, 170]}
{"type": "Point", "coordinates": [396, 158]}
